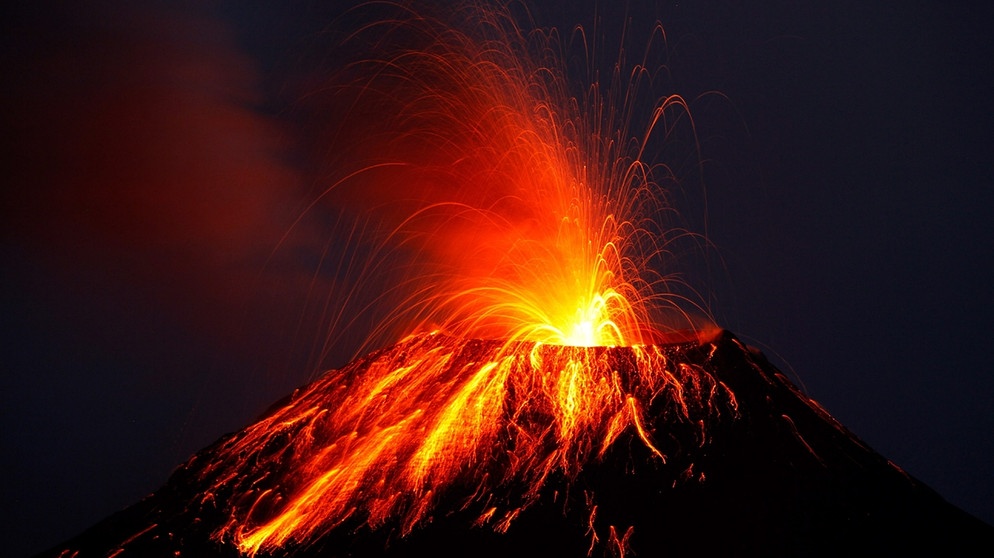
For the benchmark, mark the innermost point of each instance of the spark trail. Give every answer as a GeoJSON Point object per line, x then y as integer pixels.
{"type": "Point", "coordinates": [495, 199]}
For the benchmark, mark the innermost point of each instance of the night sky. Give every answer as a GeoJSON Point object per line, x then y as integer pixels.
{"type": "Point", "coordinates": [155, 156]}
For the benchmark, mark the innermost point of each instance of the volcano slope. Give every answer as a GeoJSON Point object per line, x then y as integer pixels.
{"type": "Point", "coordinates": [723, 456]}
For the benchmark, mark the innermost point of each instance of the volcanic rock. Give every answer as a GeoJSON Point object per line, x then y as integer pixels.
{"type": "Point", "coordinates": [746, 466]}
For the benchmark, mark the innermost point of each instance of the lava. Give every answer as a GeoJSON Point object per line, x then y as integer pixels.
{"type": "Point", "coordinates": [497, 205]}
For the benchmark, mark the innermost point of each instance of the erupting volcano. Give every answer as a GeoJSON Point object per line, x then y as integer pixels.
{"type": "Point", "coordinates": [447, 447]}
{"type": "Point", "coordinates": [539, 381]}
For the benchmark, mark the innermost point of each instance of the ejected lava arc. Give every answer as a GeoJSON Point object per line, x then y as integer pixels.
{"type": "Point", "coordinates": [494, 204]}
{"type": "Point", "coordinates": [495, 198]}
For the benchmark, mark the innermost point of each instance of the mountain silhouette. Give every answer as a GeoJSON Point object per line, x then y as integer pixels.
{"type": "Point", "coordinates": [729, 458]}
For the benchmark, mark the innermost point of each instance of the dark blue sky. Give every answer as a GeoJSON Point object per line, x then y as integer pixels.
{"type": "Point", "coordinates": [848, 172]}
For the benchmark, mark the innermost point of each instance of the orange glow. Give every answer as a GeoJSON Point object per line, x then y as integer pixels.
{"type": "Point", "coordinates": [493, 202]}
{"type": "Point", "coordinates": [497, 207]}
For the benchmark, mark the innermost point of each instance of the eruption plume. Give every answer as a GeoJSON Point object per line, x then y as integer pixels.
{"type": "Point", "coordinates": [495, 202]}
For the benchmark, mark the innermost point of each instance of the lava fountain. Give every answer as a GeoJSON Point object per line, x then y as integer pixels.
{"type": "Point", "coordinates": [491, 203]}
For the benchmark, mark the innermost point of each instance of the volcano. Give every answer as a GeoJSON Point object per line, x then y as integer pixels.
{"type": "Point", "coordinates": [698, 448]}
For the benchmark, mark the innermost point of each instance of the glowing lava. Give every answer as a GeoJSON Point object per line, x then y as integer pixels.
{"type": "Point", "coordinates": [498, 206]}
{"type": "Point", "coordinates": [484, 424]}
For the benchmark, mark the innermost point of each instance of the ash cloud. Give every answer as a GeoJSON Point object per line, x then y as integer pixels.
{"type": "Point", "coordinates": [145, 191]}
{"type": "Point", "coordinates": [137, 151]}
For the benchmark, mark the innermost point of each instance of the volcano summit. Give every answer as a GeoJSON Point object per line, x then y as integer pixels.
{"type": "Point", "coordinates": [437, 446]}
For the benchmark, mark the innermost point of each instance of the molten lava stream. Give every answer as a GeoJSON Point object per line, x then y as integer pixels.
{"type": "Point", "coordinates": [388, 436]}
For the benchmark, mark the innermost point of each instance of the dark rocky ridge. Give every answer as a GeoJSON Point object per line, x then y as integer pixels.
{"type": "Point", "coordinates": [780, 477]}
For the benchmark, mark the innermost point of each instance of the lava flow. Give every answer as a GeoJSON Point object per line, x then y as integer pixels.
{"type": "Point", "coordinates": [481, 423]}
{"type": "Point", "coordinates": [499, 206]}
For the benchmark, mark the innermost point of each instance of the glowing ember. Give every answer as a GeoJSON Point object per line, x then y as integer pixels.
{"type": "Point", "coordinates": [500, 207]}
